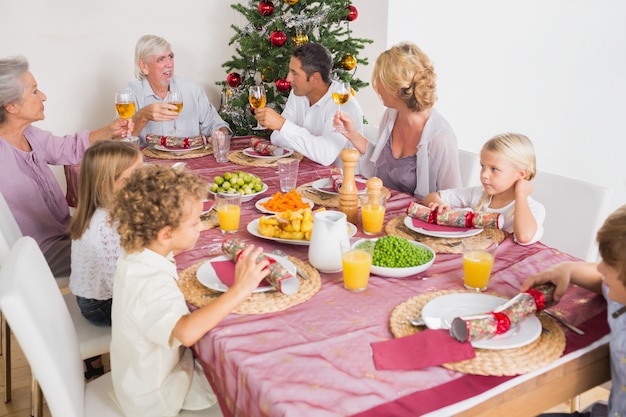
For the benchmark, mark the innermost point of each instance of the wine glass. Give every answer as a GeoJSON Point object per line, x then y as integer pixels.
{"type": "Point", "coordinates": [175, 98]}
{"type": "Point", "coordinates": [340, 94]}
{"type": "Point", "coordinates": [257, 99]}
{"type": "Point", "coordinates": [125, 108]}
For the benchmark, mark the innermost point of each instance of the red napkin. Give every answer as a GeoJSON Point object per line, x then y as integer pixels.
{"type": "Point", "coordinates": [225, 271]}
{"type": "Point", "coordinates": [420, 350]}
{"type": "Point", "coordinates": [360, 185]}
{"type": "Point", "coordinates": [436, 227]}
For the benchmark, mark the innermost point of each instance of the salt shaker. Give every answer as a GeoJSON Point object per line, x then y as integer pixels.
{"type": "Point", "coordinates": [348, 193]}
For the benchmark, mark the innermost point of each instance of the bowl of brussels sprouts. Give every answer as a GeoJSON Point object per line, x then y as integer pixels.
{"type": "Point", "coordinates": [396, 257]}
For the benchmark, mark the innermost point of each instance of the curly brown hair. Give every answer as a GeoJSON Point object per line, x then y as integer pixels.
{"type": "Point", "coordinates": [154, 197]}
{"type": "Point", "coordinates": [612, 242]}
{"type": "Point", "coordinates": [405, 70]}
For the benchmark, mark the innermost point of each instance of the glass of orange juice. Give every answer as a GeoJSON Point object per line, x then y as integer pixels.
{"type": "Point", "coordinates": [373, 213]}
{"type": "Point", "coordinates": [228, 211]}
{"type": "Point", "coordinates": [356, 260]}
{"type": "Point", "coordinates": [478, 256]}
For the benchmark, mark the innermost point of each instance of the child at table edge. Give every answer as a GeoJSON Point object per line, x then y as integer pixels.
{"type": "Point", "coordinates": [154, 374]}
{"type": "Point", "coordinates": [609, 279]}
{"type": "Point", "coordinates": [507, 166]}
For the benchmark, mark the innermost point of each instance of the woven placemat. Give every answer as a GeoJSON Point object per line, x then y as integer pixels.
{"type": "Point", "coordinates": [154, 153]}
{"type": "Point", "coordinates": [256, 303]}
{"type": "Point", "coordinates": [326, 199]}
{"type": "Point", "coordinates": [506, 362]}
{"type": "Point", "coordinates": [396, 227]}
{"type": "Point", "coordinates": [239, 158]}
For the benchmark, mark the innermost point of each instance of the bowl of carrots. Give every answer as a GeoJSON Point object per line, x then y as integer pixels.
{"type": "Point", "coordinates": [280, 202]}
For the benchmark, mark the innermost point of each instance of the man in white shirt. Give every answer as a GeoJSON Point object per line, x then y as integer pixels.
{"type": "Point", "coordinates": [306, 123]}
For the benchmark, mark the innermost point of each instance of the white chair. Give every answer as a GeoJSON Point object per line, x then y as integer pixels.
{"type": "Point", "coordinates": [469, 163]}
{"type": "Point", "coordinates": [575, 211]}
{"type": "Point", "coordinates": [42, 324]}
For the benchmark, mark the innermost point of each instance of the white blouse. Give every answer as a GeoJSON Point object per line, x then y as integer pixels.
{"type": "Point", "coordinates": [94, 257]}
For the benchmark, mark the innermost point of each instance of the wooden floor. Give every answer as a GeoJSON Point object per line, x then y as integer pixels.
{"type": "Point", "coordinates": [20, 404]}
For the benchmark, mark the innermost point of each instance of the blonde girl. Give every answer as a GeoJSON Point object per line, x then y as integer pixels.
{"type": "Point", "coordinates": [95, 243]}
{"type": "Point", "coordinates": [507, 166]}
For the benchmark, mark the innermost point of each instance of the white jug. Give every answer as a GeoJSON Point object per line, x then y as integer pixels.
{"type": "Point", "coordinates": [329, 228]}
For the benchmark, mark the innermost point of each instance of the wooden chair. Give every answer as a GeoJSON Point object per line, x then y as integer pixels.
{"type": "Point", "coordinates": [44, 328]}
{"type": "Point", "coordinates": [575, 211]}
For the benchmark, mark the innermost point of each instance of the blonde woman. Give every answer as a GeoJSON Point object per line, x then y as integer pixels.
{"type": "Point", "coordinates": [507, 166]}
{"type": "Point", "coordinates": [416, 151]}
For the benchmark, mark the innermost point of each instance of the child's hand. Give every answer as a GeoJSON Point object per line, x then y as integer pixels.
{"type": "Point", "coordinates": [249, 273]}
{"type": "Point", "coordinates": [523, 188]}
{"type": "Point", "coordinates": [439, 208]}
{"type": "Point", "coordinates": [559, 275]}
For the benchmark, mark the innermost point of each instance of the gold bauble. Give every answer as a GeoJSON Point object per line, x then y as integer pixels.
{"type": "Point", "coordinates": [348, 62]}
{"type": "Point", "coordinates": [291, 2]}
{"type": "Point", "coordinates": [267, 75]}
{"type": "Point", "coordinates": [300, 39]}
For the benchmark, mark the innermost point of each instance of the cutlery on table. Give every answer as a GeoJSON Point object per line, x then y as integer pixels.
{"type": "Point", "coordinates": [565, 322]}
{"type": "Point", "coordinates": [417, 322]}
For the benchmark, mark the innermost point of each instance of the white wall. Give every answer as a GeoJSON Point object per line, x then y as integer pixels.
{"type": "Point", "coordinates": [553, 70]}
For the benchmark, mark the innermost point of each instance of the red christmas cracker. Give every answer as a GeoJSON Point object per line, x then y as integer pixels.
{"type": "Point", "coordinates": [265, 148]}
{"type": "Point", "coordinates": [279, 277]}
{"type": "Point", "coordinates": [503, 318]}
{"type": "Point", "coordinates": [464, 217]}
{"type": "Point", "coordinates": [176, 141]}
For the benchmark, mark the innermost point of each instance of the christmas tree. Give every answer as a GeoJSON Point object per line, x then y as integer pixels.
{"type": "Point", "coordinates": [264, 48]}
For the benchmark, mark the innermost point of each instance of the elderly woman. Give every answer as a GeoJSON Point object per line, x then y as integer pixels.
{"type": "Point", "coordinates": [154, 69]}
{"type": "Point", "coordinates": [416, 151]}
{"type": "Point", "coordinates": [27, 183]}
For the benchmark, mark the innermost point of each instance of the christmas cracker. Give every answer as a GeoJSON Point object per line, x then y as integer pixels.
{"type": "Point", "coordinates": [176, 141]}
{"type": "Point", "coordinates": [464, 217]}
{"type": "Point", "coordinates": [265, 148]}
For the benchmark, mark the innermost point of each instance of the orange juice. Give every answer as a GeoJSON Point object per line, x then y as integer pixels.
{"type": "Point", "coordinates": [356, 269]}
{"type": "Point", "coordinates": [477, 269]}
{"type": "Point", "coordinates": [372, 217]}
{"type": "Point", "coordinates": [228, 216]}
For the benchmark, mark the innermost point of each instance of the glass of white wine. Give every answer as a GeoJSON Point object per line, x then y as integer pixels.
{"type": "Point", "coordinates": [125, 108]}
{"type": "Point", "coordinates": [175, 98]}
{"type": "Point", "coordinates": [257, 99]}
{"type": "Point", "coordinates": [341, 94]}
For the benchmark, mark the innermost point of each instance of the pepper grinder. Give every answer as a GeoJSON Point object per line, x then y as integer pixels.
{"type": "Point", "coordinates": [348, 193]}
{"type": "Point", "coordinates": [374, 190]}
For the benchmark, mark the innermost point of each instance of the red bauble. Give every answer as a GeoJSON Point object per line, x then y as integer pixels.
{"type": "Point", "coordinates": [283, 85]}
{"type": "Point", "coordinates": [278, 38]}
{"type": "Point", "coordinates": [266, 8]}
{"type": "Point", "coordinates": [234, 80]}
{"type": "Point", "coordinates": [353, 13]}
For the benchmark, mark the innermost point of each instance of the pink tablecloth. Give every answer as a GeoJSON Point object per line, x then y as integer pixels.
{"type": "Point", "coordinates": [314, 359]}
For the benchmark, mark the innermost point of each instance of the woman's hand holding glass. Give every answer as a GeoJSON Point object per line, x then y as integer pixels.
{"type": "Point", "coordinates": [125, 108]}
{"type": "Point", "coordinates": [257, 100]}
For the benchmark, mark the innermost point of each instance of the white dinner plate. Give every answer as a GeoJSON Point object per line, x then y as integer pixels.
{"type": "Point", "coordinates": [253, 229]}
{"type": "Point", "coordinates": [208, 277]}
{"type": "Point", "coordinates": [259, 204]}
{"type": "Point", "coordinates": [247, 197]}
{"type": "Point", "coordinates": [439, 312]}
{"type": "Point", "coordinates": [254, 154]}
{"type": "Point", "coordinates": [408, 222]}
{"type": "Point", "coordinates": [324, 185]}
{"type": "Point", "coordinates": [178, 150]}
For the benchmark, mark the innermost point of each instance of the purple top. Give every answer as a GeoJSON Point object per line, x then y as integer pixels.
{"type": "Point", "coordinates": [30, 188]}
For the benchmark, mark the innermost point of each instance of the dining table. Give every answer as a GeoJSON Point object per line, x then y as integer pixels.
{"type": "Point", "coordinates": [310, 353]}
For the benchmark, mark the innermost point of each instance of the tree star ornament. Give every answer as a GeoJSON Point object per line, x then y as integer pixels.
{"type": "Point", "coordinates": [348, 62]}
{"type": "Point", "coordinates": [266, 8]}
{"type": "Point", "coordinates": [353, 13]}
{"type": "Point", "coordinates": [278, 38]}
{"type": "Point", "coordinates": [234, 79]}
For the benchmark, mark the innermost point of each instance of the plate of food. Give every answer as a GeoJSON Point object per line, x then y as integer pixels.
{"type": "Point", "coordinates": [253, 229]}
{"type": "Point", "coordinates": [177, 149]}
{"type": "Point", "coordinates": [246, 197]}
{"type": "Point", "coordinates": [248, 185]}
{"type": "Point", "coordinates": [451, 233]}
{"type": "Point", "coordinates": [217, 273]}
{"type": "Point", "coordinates": [396, 257]}
{"type": "Point", "coordinates": [439, 312]}
{"type": "Point", "coordinates": [260, 205]}
{"type": "Point", "coordinates": [325, 185]}
{"type": "Point", "coordinates": [279, 153]}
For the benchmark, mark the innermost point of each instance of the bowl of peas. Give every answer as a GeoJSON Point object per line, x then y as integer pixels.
{"type": "Point", "coordinates": [396, 257]}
